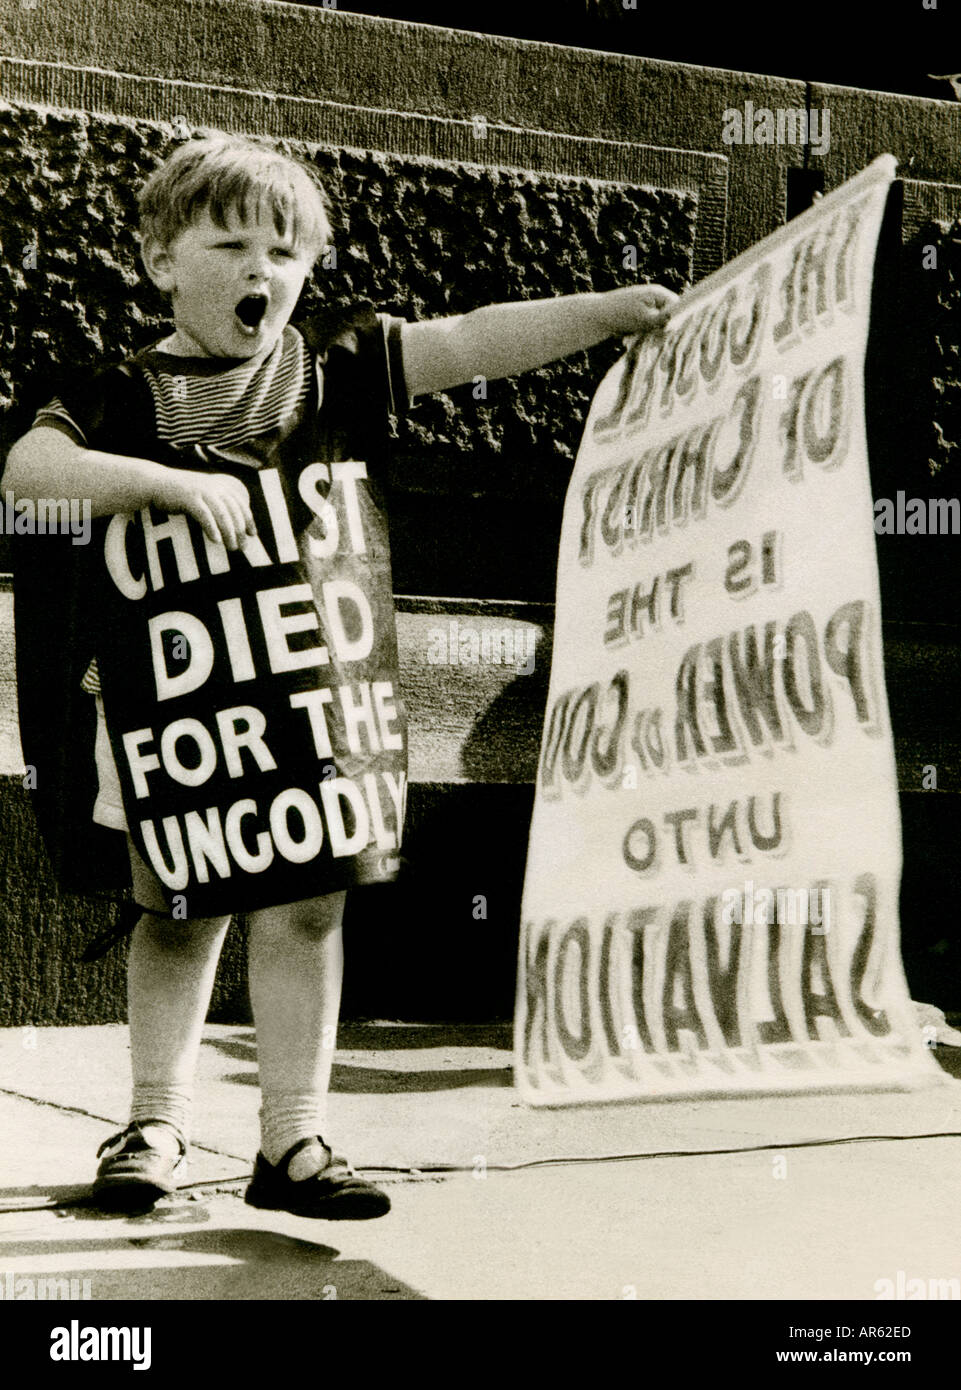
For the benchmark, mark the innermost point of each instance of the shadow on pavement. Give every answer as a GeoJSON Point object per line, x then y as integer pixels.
{"type": "Point", "coordinates": [377, 1081]}
{"type": "Point", "coordinates": [351, 1079]}
{"type": "Point", "coordinates": [29, 1198]}
{"type": "Point", "coordinates": [219, 1262]}
{"type": "Point", "coordinates": [386, 1037]}
{"type": "Point", "coordinates": [347, 1080]}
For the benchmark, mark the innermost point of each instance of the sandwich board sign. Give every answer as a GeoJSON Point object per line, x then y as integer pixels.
{"type": "Point", "coordinates": [711, 896]}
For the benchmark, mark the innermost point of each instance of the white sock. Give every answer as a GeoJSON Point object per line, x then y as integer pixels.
{"type": "Point", "coordinates": [171, 1104]}
{"type": "Point", "coordinates": [286, 1118]}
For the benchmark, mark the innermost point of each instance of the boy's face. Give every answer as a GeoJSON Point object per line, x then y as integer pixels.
{"type": "Point", "coordinates": [232, 289]}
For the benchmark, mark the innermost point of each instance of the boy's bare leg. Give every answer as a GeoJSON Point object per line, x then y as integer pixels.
{"type": "Point", "coordinates": [296, 967]}
{"type": "Point", "coordinates": [170, 977]}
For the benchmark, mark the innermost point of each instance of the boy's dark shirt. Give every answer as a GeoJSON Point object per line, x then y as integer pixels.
{"type": "Point", "coordinates": [63, 595]}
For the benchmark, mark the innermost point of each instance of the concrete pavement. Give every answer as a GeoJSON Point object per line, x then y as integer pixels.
{"type": "Point", "coordinates": [802, 1219]}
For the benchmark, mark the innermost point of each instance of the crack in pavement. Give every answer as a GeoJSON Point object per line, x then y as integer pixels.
{"type": "Point", "coordinates": [102, 1119]}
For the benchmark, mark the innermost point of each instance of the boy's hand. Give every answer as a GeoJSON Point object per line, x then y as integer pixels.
{"type": "Point", "coordinates": [220, 502]}
{"type": "Point", "coordinates": [638, 309]}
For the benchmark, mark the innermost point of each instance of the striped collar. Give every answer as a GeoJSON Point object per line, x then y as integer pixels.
{"type": "Point", "coordinates": [225, 401]}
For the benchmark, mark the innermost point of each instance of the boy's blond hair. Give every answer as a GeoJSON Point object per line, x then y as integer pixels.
{"type": "Point", "coordinates": [225, 173]}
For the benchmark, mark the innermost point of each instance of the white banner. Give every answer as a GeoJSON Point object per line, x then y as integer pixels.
{"type": "Point", "coordinates": [711, 900]}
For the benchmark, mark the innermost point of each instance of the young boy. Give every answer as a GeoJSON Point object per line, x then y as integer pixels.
{"type": "Point", "coordinates": [230, 231]}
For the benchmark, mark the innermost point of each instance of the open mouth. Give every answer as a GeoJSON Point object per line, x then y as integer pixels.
{"type": "Point", "coordinates": [251, 310]}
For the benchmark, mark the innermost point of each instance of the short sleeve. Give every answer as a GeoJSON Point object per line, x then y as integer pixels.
{"type": "Point", "coordinates": [103, 409]}
{"type": "Point", "coordinates": [400, 397]}
{"type": "Point", "coordinates": [87, 403]}
{"type": "Point", "coordinates": [76, 407]}
{"type": "Point", "coordinates": [55, 415]}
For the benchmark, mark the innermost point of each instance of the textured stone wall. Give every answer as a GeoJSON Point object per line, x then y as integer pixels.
{"type": "Point", "coordinates": [416, 237]}
{"type": "Point", "coordinates": [410, 82]}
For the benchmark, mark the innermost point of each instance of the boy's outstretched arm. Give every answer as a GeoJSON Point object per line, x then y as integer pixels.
{"type": "Point", "coordinates": [506, 339]}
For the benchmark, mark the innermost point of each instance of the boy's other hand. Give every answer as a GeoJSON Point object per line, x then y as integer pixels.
{"type": "Point", "coordinates": [637, 309]}
{"type": "Point", "coordinates": [220, 502]}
